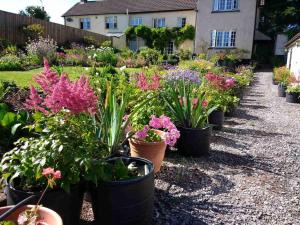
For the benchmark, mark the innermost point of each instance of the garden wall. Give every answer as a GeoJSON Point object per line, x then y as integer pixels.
{"type": "Point", "coordinates": [11, 24]}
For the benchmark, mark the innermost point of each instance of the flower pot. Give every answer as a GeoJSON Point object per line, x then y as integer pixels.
{"type": "Point", "coordinates": [216, 119]}
{"type": "Point", "coordinates": [194, 142]}
{"type": "Point", "coordinates": [48, 216]}
{"type": "Point", "coordinates": [231, 111]}
{"type": "Point", "coordinates": [281, 90]}
{"type": "Point", "coordinates": [128, 202]}
{"type": "Point", "coordinates": [153, 151]}
{"type": "Point", "coordinates": [292, 97]}
{"type": "Point", "coordinates": [274, 82]}
{"type": "Point", "coordinates": [67, 205]}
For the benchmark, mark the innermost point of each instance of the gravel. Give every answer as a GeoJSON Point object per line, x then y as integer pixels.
{"type": "Point", "coordinates": [252, 175]}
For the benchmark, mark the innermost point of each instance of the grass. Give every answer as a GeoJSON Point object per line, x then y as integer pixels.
{"type": "Point", "coordinates": [24, 78]}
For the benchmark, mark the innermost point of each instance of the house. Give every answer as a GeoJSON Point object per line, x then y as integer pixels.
{"type": "Point", "coordinates": [293, 55]}
{"type": "Point", "coordinates": [220, 24]}
{"type": "Point", "coordinates": [113, 17]}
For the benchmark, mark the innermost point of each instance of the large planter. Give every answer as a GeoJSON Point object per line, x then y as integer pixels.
{"type": "Point", "coordinates": [292, 97]}
{"type": "Point", "coordinates": [216, 119]}
{"type": "Point", "coordinates": [153, 151]}
{"type": "Point", "coordinates": [128, 202]}
{"type": "Point", "coordinates": [67, 205]}
{"type": "Point", "coordinates": [231, 111]}
{"type": "Point", "coordinates": [48, 216]}
{"type": "Point", "coordinates": [194, 142]}
{"type": "Point", "coordinates": [281, 90]}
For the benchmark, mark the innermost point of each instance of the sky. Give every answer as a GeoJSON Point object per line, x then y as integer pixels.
{"type": "Point", "coordinates": [55, 8]}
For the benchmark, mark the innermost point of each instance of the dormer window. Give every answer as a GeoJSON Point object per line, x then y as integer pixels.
{"type": "Point", "coordinates": [225, 5]}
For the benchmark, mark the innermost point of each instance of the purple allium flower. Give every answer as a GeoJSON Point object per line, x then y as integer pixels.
{"type": "Point", "coordinates": [186, 75]}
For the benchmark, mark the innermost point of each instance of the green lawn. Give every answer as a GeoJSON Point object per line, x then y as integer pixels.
{"type": "Point", "coordinates": [24, 78]}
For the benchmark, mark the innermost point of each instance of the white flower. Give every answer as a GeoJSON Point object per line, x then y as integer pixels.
{"type": "Point", "coordinates": [122, 68]}
{"type": "Point", "coordinates": [86, 68]}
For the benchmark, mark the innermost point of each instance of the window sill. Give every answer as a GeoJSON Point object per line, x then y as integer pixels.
{"type": "Point", "coordinates": [222, 48]}
{"type": "Point", "coordinates": [225, 11]}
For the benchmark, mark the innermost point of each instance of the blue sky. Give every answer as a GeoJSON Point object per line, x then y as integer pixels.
{"type": "Point", "coordinates": [55, 8]}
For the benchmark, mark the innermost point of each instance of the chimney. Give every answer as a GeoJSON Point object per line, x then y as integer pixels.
{"type": "Point", "coordinates": [83, 1]}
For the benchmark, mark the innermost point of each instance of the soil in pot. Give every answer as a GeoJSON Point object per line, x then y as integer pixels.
{"type": "Point", "coordinates": [194, 142]}
{"type": "Point", "coordinates": [48, 216]}
{"type": "Point", "coordinates": [292, 97]}
{"type": "Point", "coordinates": [67, 205]}
{"type": "Point", "coordinates": [281, 90]}
{"type": "Point", "coordinates": [153, 151]}
{"type": "Point", "coordinates": [216, 119]}
{"type": "Point", "coordinates": [127, 202]}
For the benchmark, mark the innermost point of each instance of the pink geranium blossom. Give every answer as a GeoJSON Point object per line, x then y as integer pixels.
{"type": "Point", "coordinates": [61, 93]}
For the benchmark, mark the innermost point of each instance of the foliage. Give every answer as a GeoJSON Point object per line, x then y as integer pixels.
{"type": "Point", "coordinates": [106, 44]}
{"type": "Point", "coordinates": [103, 56]}
{"type": "Point", "coordinates": [187, 32]}
{"type": "Point", "coordinates": [33, 31]}
{"type": "Point", "coordinates": [152, 56]}
{"type": "Point", "coordinates": [144, 32]}
{"type": "Point", "coordinates": [42, 48]}
{"type": "Point", "coordinates": [283, 75]}
{"type": "Point", "coordinates": [10, 63]}
{"type": "Point", "coordinates": [294, 88]}
{"type": "Point", "coordinates": [185, 54]}
{"type": "Point", "coordinates": [90, 40]}
{"type": "Point", "coordinates": [201, 66]}
{"type": "Point", "coordinates": [37, 12]}
{"type": "Point", "coordinates": [186, 104]}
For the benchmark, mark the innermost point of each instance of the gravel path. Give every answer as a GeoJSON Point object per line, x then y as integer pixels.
{"type": "Point", "coordinates": [252, 175]}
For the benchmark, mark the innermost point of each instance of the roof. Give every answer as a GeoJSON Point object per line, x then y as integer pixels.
{"type": "Point", "coordinates": [259, 36]}
{"type": "Point", "coordinates": [293, 40]}
{"type": "Point", "coordinates": [133, 6]}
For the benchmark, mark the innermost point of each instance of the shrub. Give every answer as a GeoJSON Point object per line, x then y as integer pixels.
{"type": "Point", "coordinates": [283, 75]}
{"type": "Point", "coordinates": [185, 54]}
{"type": "Point", "coordinates": [104, 56]}
{"type": "Point", "coordinates": [152, 56]}
{"type": "Point", "coordinates": [90, 40]}
{"type": "Point", "coordinates": [10, 63]}
{"type": "Point", "coordinates": [106, 44]}
{"type": "Point", "coordinates": [33, 31]}
{"type": "Point", "coordinates": [43, 48]}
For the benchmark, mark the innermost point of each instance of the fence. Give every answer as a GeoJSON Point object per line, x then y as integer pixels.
{"type": "Point", "coordinates": [11, 30]}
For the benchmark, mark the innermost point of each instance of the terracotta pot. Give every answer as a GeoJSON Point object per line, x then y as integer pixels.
{"type": "Point", "coordinates": [153, 151]}
{"type": "Point", "coordinates": [48, 216]}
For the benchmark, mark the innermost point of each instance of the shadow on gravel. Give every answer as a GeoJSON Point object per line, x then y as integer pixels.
{"type": "Point", "coordinates": [179, 210]}
{"type": "Point", "coordinates": [242, 114]}
{"type": "Point", "coordinates": [252, 132]}
{"type": "Point", "coordinates": [254, 106]}
{"type": "Point", "coordinates": [221, 140]}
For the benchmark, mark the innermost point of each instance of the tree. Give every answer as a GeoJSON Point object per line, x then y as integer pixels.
{"type": "Point", "coordinates": [281, 16]}
{"type": "Point", "coordinates": [36, 12]}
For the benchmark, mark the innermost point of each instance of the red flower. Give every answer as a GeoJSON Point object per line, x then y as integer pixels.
{"type": "Point", "coordinates": [204, 104]}
{"type": "Point", "coordinates": [48, 171]}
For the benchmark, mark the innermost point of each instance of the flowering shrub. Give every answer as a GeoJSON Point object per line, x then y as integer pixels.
{"type": "Point", "coordinates": [43, 48]}
{"type": "Point", "coordinates": [10, 63]}
{"type": "Point", "coordinates": [162, 122]}
{"type": "Point", "coordinates": [283, 75]}
{"type": "Point", "coordinates": [61, 93]}
{"type": "Point", "coordinates": [103, 55]}
{"type": "Point", "coordinates": [185, 75]}
{"type": "Point", "coordinates": [148, 84]}
{"type": "Point", "coordinates": [220, 82]}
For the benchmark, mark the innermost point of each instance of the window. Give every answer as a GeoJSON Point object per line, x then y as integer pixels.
{"type": "Point", "coordinates": [135, 21]}
{"type": "Point", "coordinates": [262, 2]}
{"type": "Point", "coordinates": [111, 22]}
{"type": "Point", "coordinates": [85, 23]}
{"type": "Point", "coordinates": [133, 44]}
{"type": "Point", "coordinates": [169, 48]}
{"type": "Point", "coordinates": [181, 21]}
{"type": "Point", "coordinates": [223, 39]}
{"type": "Point", "coordinates": [159, 22]}
{"type": "Point", "coordinates": [225, 5]}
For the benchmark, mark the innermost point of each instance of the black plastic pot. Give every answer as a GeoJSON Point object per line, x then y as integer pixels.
{"type": "Point", "coordinates": [274, 82]}
{"type": "Point", "coordinates": [231, 111]}
{"type": "Point", "coordinates": [194, 142]}
{"type": "Point", "coordinates": [281, 90]}
{"type": "Point", "coordinates": [292, 97]}
{"type": "Point", "coordinates": [216, 119]}
{"type": "Point", "coordinates": [128, 202]}
{"type": "Point", "coordinates": [67, 205]}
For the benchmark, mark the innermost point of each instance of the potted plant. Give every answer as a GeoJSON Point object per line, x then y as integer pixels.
{"type": "Point", "coordinates": [284, 77]}
{"type": "Point", "coordinates": [293, 94]}
{"type": "Point", "coordinates": [33, 214]}
{"type": "Point", "coordinates": [64, 139]}
{"type": "Point", "coordinates": [122, 188]}
{"type": "Point", "coordinates": [188, 106]}
{"type": "Point", "coordinates": [151, 143]}
{"type": "Point", "coordinates": [219, 92]}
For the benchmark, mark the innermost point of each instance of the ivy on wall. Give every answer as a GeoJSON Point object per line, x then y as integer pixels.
{"type": "Point", "coordinates": [160, 37]}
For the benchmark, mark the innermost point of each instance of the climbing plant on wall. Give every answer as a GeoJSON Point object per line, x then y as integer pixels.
{"type": "Point", "coordinates": [160, 37]}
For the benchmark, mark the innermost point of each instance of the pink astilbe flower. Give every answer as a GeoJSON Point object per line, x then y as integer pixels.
{"type": "Point", "coordinates": [146, 84]}
{"type": "Point", "coordinates": [142, 82]}
{"type": "Point", "coordinates": [61, 93]}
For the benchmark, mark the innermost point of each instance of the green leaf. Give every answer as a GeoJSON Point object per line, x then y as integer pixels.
{"type": "Point", "coordinates": [8, 119]}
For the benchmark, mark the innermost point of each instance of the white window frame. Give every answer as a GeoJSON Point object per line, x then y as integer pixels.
{"type": "Point", "coordinates": [225, 5]}
{"type": "Point", "coordinates": [223, 39]}
{"type": "Point", "coordinates": [159, 22]}
{"type": "Point", "coordinates": [85, 23]}
{"type": "Point", "coordinates": [135, 21]}
{"type": "Point", "coordinates": [180, 21]}
{"type": "Point", "coordinates": [170, 48]}
{"type": "Point", "coordinates": [112, 22]}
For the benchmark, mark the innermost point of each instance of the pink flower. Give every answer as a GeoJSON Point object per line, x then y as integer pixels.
{"type": "Point", "coordinates": [155, 122]}
{"type": "Point", "coordinates": [204, 104]}
{"type": "Point", "coordinates": [195, 102]}
{"type": "Point", "coordinates": [148, 85]}
{"type": "Point", "coordinates": [142, 82]}
{"type": "Point", "coordinates": [142, 134]}
{"type": "Point", "coordinates": [172, 136]}
{"type": "Point", "coordinates": [57, 174]}
{"type": "Point", "coordinates": [48, 171]}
